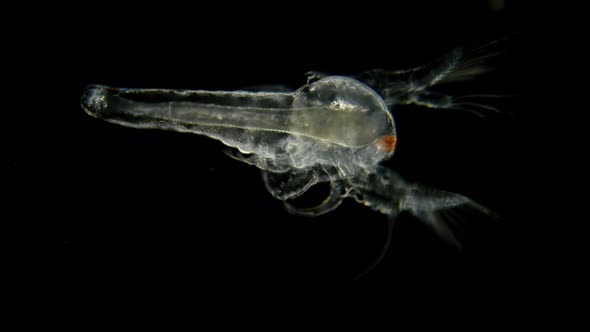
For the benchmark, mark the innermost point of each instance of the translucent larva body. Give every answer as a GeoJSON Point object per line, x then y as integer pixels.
{"type": "Point", "coordinates": [334, 122]}
{"type": "Point", "coordinates": [334, 129]}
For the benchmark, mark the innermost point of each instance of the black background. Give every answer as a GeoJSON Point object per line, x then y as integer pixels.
{"type": "Point", "coordinates": [88, 203]}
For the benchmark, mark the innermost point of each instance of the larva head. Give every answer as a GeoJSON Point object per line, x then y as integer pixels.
{"type": "Point", "coordinates": [347, 113]}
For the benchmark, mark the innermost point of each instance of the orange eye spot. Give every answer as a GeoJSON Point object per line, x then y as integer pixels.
{"type": "Point", "coordinates": [387, 143]}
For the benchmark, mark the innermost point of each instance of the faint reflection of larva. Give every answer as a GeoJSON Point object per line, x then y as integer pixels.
{"type": "Point", "coordinates": [334, 129]}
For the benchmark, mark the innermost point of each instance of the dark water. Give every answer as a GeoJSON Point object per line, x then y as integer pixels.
{"type": "Point", "coordinates": [87, 203]}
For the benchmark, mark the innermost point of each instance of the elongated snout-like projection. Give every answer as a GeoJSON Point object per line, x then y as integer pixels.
{"type": "Point", "coordinates": [334, 129]}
